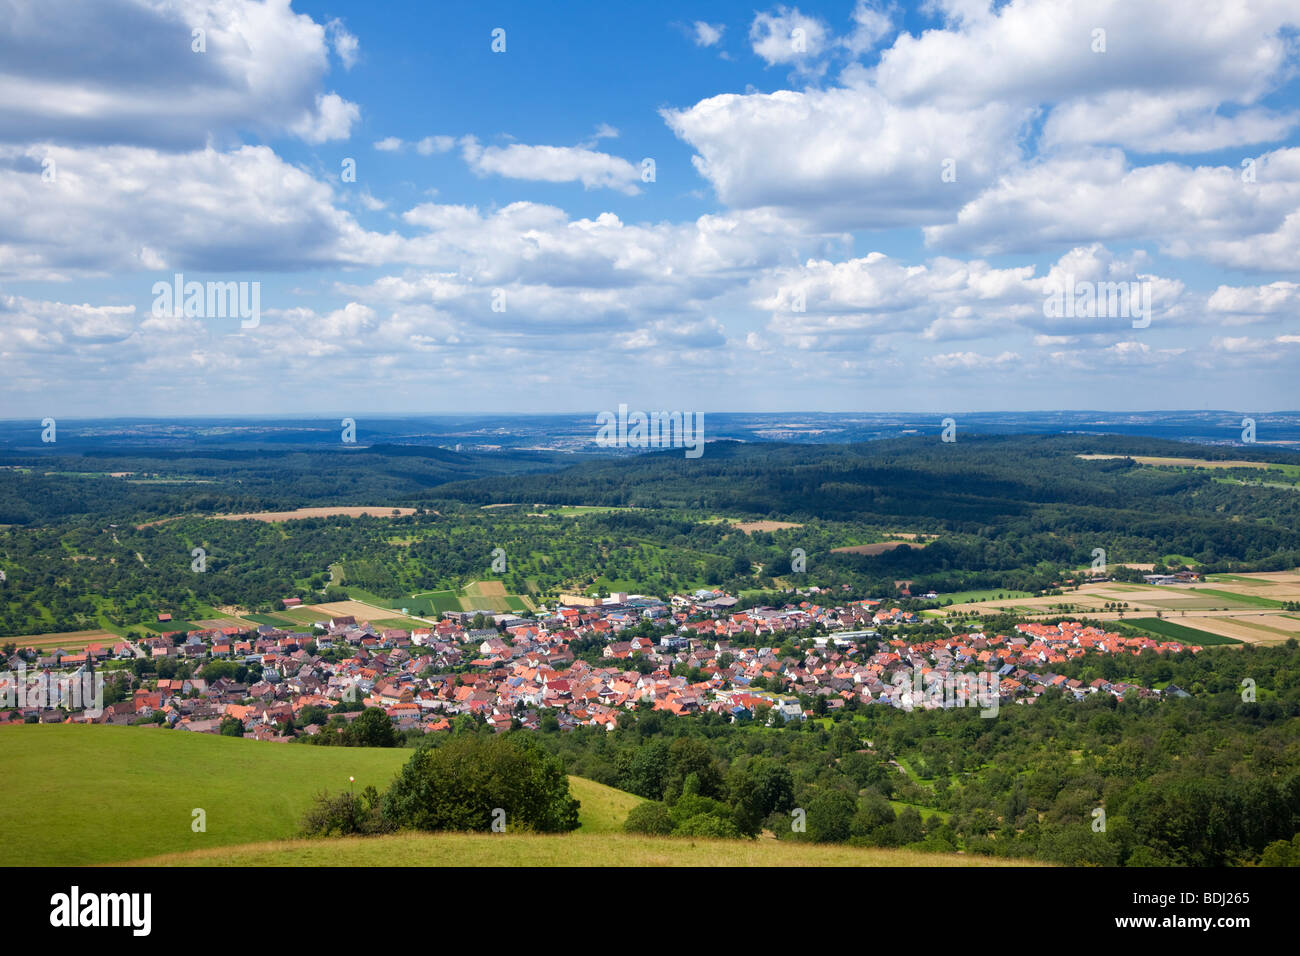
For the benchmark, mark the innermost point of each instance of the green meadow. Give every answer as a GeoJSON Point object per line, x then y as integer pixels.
{"type": "Point", "coordinates": [75, 795]}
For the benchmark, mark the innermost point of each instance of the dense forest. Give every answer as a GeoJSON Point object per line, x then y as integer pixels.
{"type": "Point", "coordinates": [1002, 512]}
{"type": "Point", "coordinates": [1203, 781]}
{"type": "Point", "coordinates": [42, 489]}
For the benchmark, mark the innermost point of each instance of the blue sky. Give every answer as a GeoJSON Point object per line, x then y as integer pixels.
{"type": "Point", "coordinates": [856, 205]}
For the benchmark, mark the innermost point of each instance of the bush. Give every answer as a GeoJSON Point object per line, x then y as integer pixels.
{"type": "Point", "coordinates": [830, 816]}
{"type": "Point", "coordinates": [650, 817]}
{"type": "Point", "coordinates": [373, 728]}
{"type": "Point", "coordinates": [1282, 853]}
{"type": "Point", "coordinates": [707, 825]}
{"type": "Point", "coordinates": [345, 815]}
{"type": "Point", "coordinates": [460, 784]}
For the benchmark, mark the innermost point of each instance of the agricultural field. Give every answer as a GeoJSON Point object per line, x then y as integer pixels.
{"type": "Point", "coordinates": [1160, 627]}
{"type": "Point", "coordinates": [358, 609]}
{"type": "Point", "coordinates": [297, 513]}
{"type": "Point", "coordinates": [1186, 462]}
{"type": "Point", "coordinates": [167, 627]}
{"type": "Point", "coordinates": [988, 594]}
{"type": "Point", "coordinates": [272, 620]}
{"type": "Point", "coordinates": [749, 527]}
{"type": "Point", "coordinates": [1244, 607]}
{"type": "Point", "coordinates": [305, 614]}
{"type": "Point", "coordinates": [68, 640]}
{"type": "Point", "coordinates": [220, 621]}
{"type": "Point", "coordinates": [879, 547]}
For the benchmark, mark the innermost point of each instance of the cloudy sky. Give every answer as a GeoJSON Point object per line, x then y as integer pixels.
{"type": "Point", "coordinates": [853, 205]}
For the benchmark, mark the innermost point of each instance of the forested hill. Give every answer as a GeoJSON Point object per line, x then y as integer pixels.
{"type": "Point", "coordinates": [991, 487]}
{"type": "Point", "coordinates": [37, 489]}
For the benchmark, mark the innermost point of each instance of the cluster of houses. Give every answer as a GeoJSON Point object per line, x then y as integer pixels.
{"type": "Point", "coordinates": [1177, 577]}
{"type": "Point", "coordinates": [703, 657]}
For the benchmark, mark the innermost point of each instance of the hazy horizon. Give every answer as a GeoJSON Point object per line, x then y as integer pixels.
{"type": "Point", "coordinates": [927, 207]}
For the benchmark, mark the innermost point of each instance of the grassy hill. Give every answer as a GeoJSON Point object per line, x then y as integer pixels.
{"type": "Point", "coordinates": [85, 794]}
{"type": "Point", "coordinates": [603, 849]}
{"type": "Point", "coordinates": [80, 795]}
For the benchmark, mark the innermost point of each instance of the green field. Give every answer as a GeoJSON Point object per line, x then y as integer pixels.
{"type": "Point", "coordinates": [93, 794]}
{"type": "Point", "coordinates": [596, 850]}
{"type": "Point", "coordinates": [273, 620]}
{"type": "Point", "coordinates": [899, 806]}
{"type": "Point", "coordinates": [1179, 632]}
{"type": "Point", "coordinates": [108, 794]}
{"type": "Point", "coordinates": [433, 603]}
{"type": "Point", "coordinates": [400, 623]}
{"type": "Point", "coordinates": [965, 597]}
{"type": "Point", "coordinates": [75, 795]}
{"type": "Point", "coordinates": [166, 627]}
{"type": "Point", "coordinates": [1249, 600]}
{"type": "Point", "coordinates": [304, 615]}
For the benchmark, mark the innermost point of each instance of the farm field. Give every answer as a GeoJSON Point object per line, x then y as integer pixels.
{"type": "Point", "coordinates": [1178, 632]}
{"type": "Point", "coordinates": [989, 594]}
{"type": "Point", "coordinates": [358, 609]}
{"type": "Point", "coordinates": [1245, 607]}
{"type": "Point", "coordinates": [272, 620]}
{"type": "Point", "coordinates": [219, 622]}
{"type": "Point", "coordinates": [492, 596]}
{"type": "Point", "coordinates": [1185, 462]}
{"type": "Point", "coordinates": [304, 613]}
{"type": "Point", "coordinates": [71, 640]}
{"type": "Point", "coordinates": [476, 596]}
{"type": "Point", "coordinates": [323, 512]}
{"type": "Point", "coordinates": [879, 547]}
{"type": "Point", "coordinates": [749, 527]}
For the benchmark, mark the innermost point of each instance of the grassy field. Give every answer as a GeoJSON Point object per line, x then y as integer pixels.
{"type": "Point", "coordinates": [1235, 579]}
{"type": "Point", "coordinates": [1179, 632]}
{"type": "Point", "coordinates": [72, 795]}
{"type": "Point", "coordinates": [82, 795]}
{"type": "Point", "coordinates": [330, 512]}
{"type": "Point", "coordinates": [273, 620]}
{"type": "Point", "coordinates": [1194, 462]}
{"type": "Point", "coordinates": [1250, 600]}
{"type": "Point", "coordinates": [598, 850]}
{"type": "Point", "coordinates": [166, 627]}
{"type": "Point", "coordinates": [75, 640]}
{"type": "Point", "coordinates": [991, 594]}
{"type": "Point", "coordinates": [109, 794]}
{"type": "Point", "coordinates": [1243, 607]}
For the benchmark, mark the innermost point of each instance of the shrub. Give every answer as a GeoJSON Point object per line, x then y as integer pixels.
{"type": "Point", "coordinates": [650, 817]}
{"type": "Point", "coordinates": [707, 825]}
{"type": "Point", "coordinates": [345, 814]}
{"type": "Point", "coordinates": [373, 728]}
{"type": "Point", "coordinates": [830, 816]}
{"type": "Point", "coordinates": [461, 783]}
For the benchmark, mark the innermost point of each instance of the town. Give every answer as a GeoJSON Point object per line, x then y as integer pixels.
{"type": "Point", "coordinates": [570, 666]}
